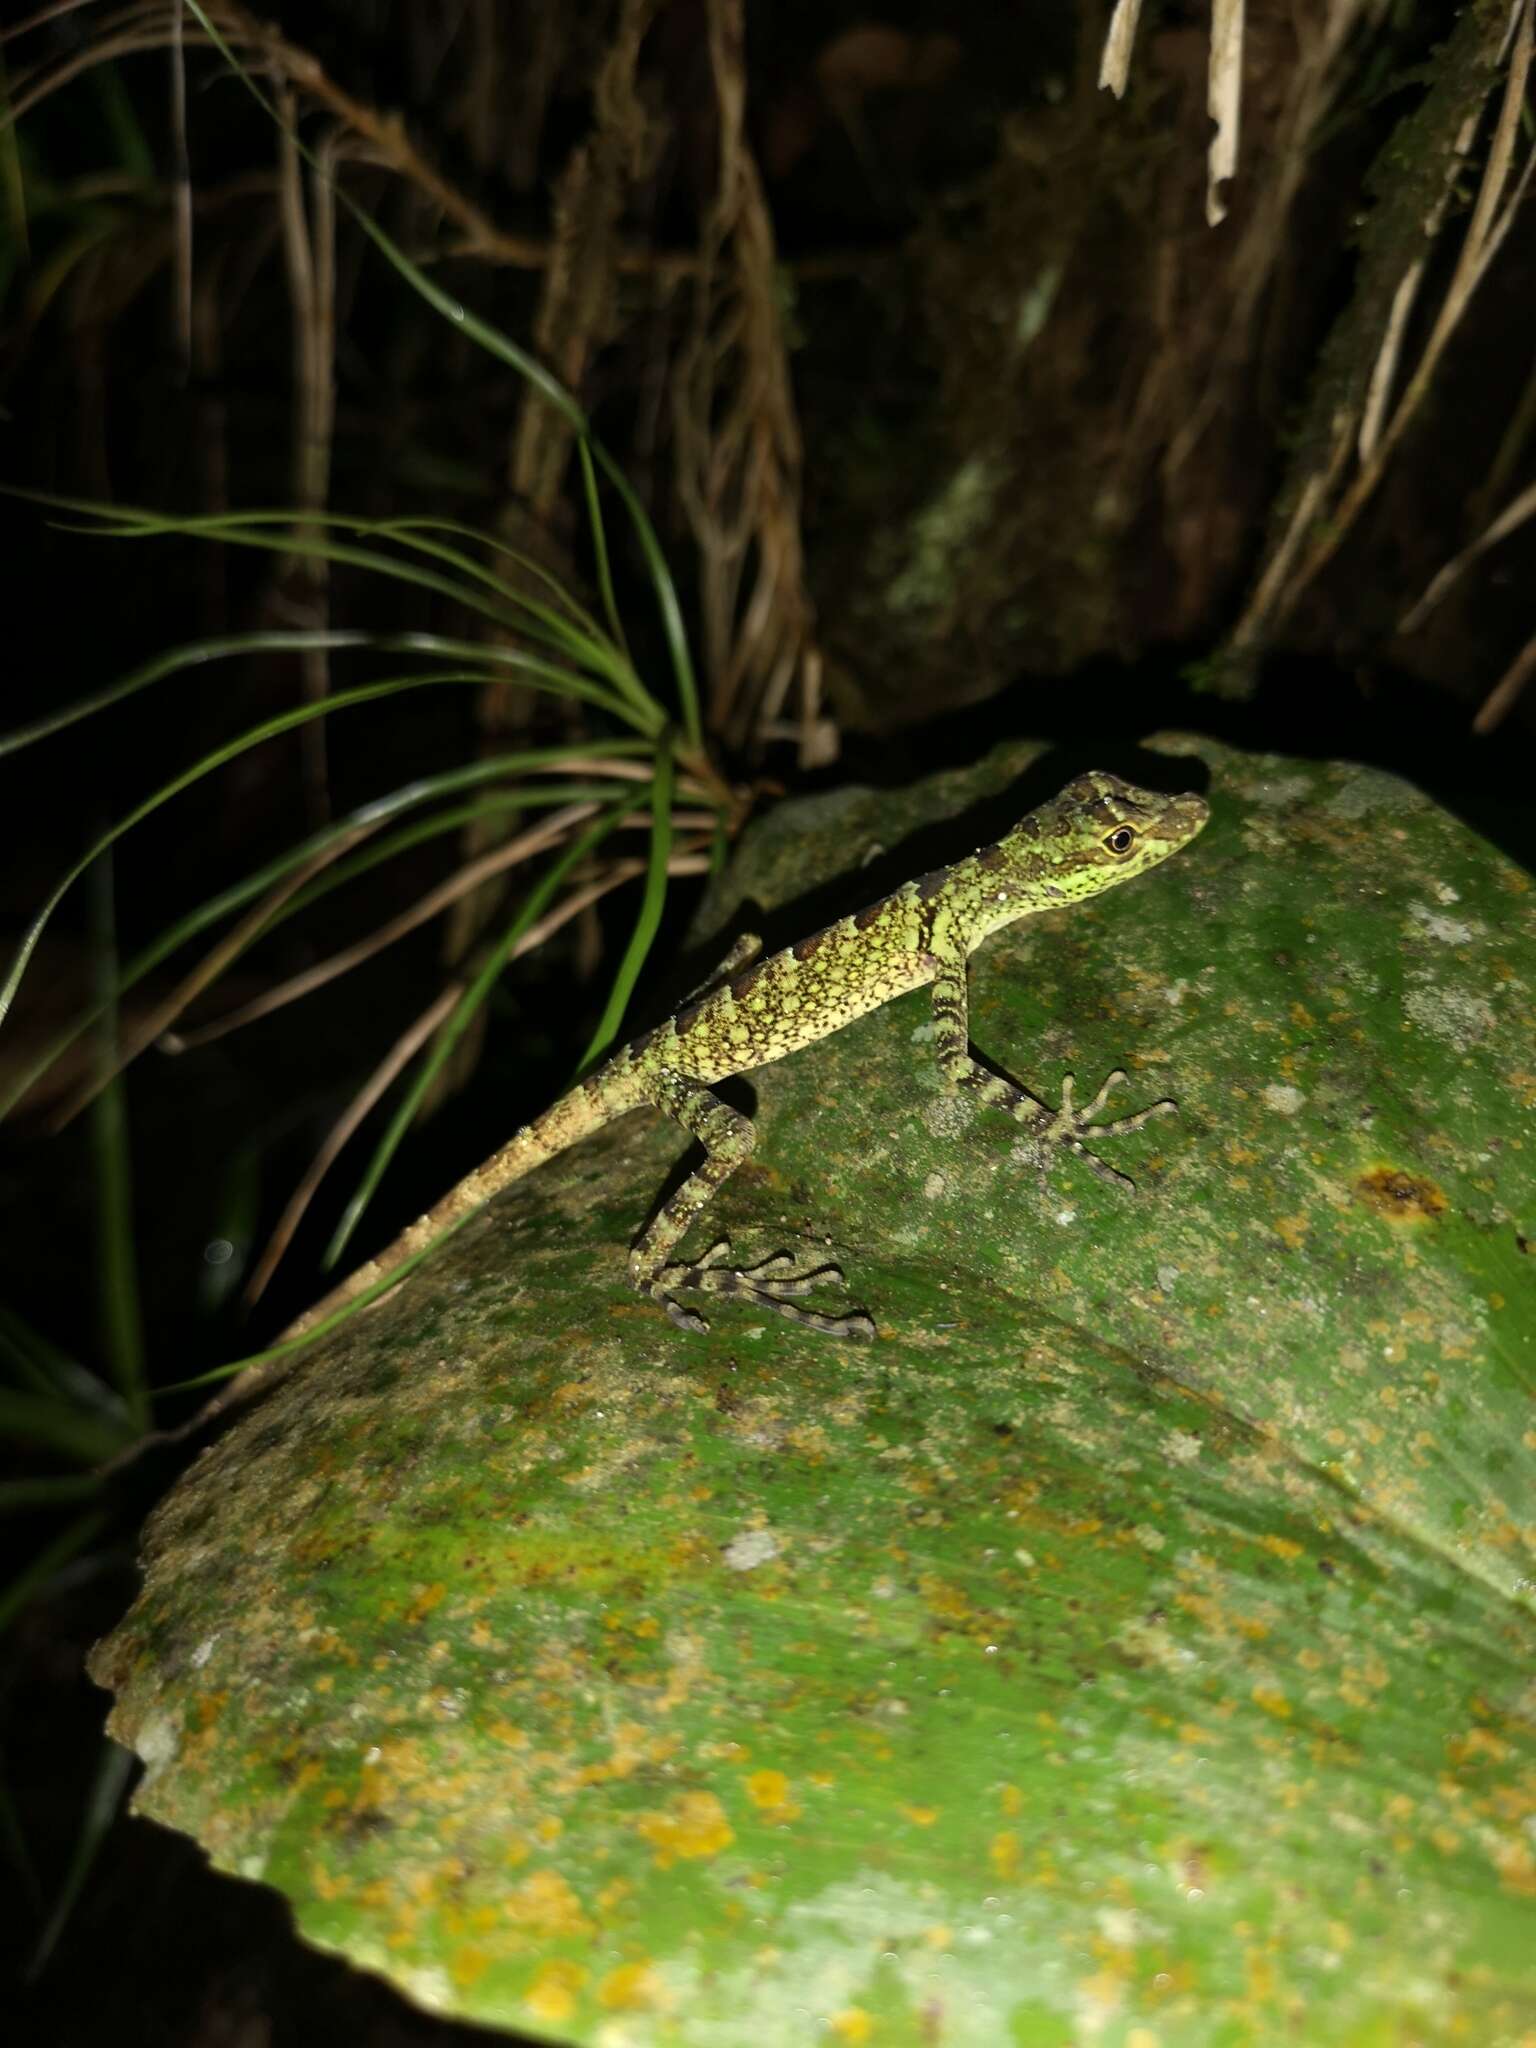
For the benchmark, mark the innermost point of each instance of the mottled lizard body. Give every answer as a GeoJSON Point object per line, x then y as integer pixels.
{"type": "Point", "coordinates": [1097, 833]}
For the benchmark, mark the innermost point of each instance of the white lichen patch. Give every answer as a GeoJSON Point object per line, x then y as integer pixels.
{"type": "Point", "coordinates": [1450, 931]}
{"type": "Point", "coordinates": [1283, 1099]}
{"type": "Point", "coordinates": [1278, 792]}
{"type": "Point", "coordinates": [750, 1548]}
{"type": "Point", "coordinates": [1455, 1016]}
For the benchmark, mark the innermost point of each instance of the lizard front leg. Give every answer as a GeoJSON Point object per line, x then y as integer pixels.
{"type": "Point", "coordinates": [1068, 1127]}
{"type": "Point", "coordinates": [727, 1137]}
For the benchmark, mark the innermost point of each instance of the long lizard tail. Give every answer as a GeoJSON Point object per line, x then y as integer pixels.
{"type": "Point", "coordinates": [574, 1117]}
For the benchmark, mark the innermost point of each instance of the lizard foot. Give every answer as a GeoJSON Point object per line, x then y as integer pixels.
{"type": "Point", "coordinates": [771, 1284]}
{"type": "Point", "coordinates": [1068, 1127]}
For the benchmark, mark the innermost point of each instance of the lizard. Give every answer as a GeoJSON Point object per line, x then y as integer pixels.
{"type": "Point", "coordinates": [1097, 833]}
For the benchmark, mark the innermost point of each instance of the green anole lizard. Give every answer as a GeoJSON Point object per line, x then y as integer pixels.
{"type": "Point", "coordinates": [1096, 834]}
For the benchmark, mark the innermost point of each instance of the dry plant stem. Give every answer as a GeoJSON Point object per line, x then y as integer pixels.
{"type": "Point", "coordinates": [468, 877]}
{"type": "Point", "coordinates": [577, 300]}
{"type": "Point", "coordinates": [183, 185]}
{"type": "Point", "coordinates": [1513, 515]}
{"type": "Point", "coordinates": [404, 1049]}
{"type": "Point", "coordinates": [1500, 700]}
{"type": "Point", "coordinates": [1484, 237]}
{"type": "Point", "coordinates": [309, 248]}
{"type": "Point", "coordinates": [1119, 40]}
{"type": "Point", "coordinates": [207, 970]}
{"type": "Point", "coordinates": [738, 452]}
{"type": "Point", "coordinates": [1384, 371]}
{"type": "Point", "coordinates": [410, 1042]}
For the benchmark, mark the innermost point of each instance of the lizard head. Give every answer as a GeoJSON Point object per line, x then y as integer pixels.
{"type": "Point", "coordinates": [1097, 833]}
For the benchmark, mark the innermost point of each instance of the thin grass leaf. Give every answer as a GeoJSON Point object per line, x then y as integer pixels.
{"type": "Point", "coordinates": [13, 1842]}
{"type": "Point", "coordinates": [58, 1490]}
{"type": "Point", "coordinates": [528, 564]}
{"type": "Point", "coordinates": [648, 919]}
{"type": "Point", "coordinates": [51, 1370]}
{"type": "Point", "coordinates": [112, 1182]}
{"type": "Point", "coordinates": [666, 598]}
{"type": "Point", "coordinates": [453, 1029]}
{"type": "Point", "coordinates": [248, 529]}
{"type": "Point", "coordinates": [270, 728]}
{"type": "Point", "coordinates": [237, 894]}
{"type": "Point", "coordinates": [34, 1575]}
{"type": "Point", "coordinates": [54, 1425]}
{"type": "Point", "coordinates": [549, 387]}
{"type": "Point", "coordinates": [599, 540]}
{"type": "Point", "coordinates": [103, 1803]}
{"type": "Point", "coordinates": [190, 656]}
{"type": "Point", "coordinates": [365, 1298]}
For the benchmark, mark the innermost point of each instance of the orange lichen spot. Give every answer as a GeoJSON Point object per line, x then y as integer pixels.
{"type": "Point", "coordinates": [853, 2024]}
{"type": "Point", "coordinates": [1400, 1196]}
{"type": "Point", "coordinates": [426, 1598]}
{"type": "Point", "coordinates": [1477, 1742]}
{"type": "Point", "coordinates": [209, 1706]}
{"type": "Point", "coordinates": [769, 1793]}
{"type": "Point", "coordinates": [1003, 1853]}
{"type": "Point", "coordinates": [328, 1884]}
{"type": "Point", "coordinates": [1292, 1231]}
{"type": "Point", "coordinates": [545, 1905]}
{"type": "Point", "coordinates": [693, 1826]}
{"type": "Point", "coordinates": [1272, 1701]}
{"type": "Point", "coordinates": [1516, 1865]}
{"type": "Point", "coordinates": [632, 1987]}
{"type": "Point", "coordinates": [552, 1994]}
{"type": "Point", "coordinates": [468, 1966]}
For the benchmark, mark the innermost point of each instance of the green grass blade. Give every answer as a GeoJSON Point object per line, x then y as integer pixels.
{"type": "Point", "coordinates": [190, 656]}
{"type": "Point", "coordinates": [56, 1425]}
{"type": "Point", "coordinates": [238, 894]}
{"type": "Point", "coordinates": [649, 918]}
{"type": "Point", "coordinates": [599, 539]}
{"type": "Point", "coordinates": [270, 728]}
{"type": "Point", "coordinates": [61, 1489]}
{"type": "Point", "coordinates": [529, 367]}
{"type": "Point", "coordinates": [666, 598]}
{"type": "Point", "coordinates": [250, 530]}
{"type": "Point", "coordinates": [40, 1568]}
{"type": "Point", "coordinates": [102, 1805]}
{"type": "Point", "coordinates": [117, 1262]}
{"type": "Point", "coordinates": [454, 1026]}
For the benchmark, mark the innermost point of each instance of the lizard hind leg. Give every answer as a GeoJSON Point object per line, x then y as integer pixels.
{"type": "Point", "coordinates": [727, 1138]}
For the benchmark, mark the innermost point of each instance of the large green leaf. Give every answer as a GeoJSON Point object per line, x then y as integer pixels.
{"type": "Point", "coordinates": [1133, 1646]}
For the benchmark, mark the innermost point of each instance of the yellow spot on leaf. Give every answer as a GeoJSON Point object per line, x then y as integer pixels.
{"type": "Point", "coordinates": [1273, 1701]}
{"type": "Point", "coordinates": [852, 2024]}
{"type": "Point", "coordinates": [632, 1987]}
{"type": "Point", "coordinates": [545, 1905]}
{"type": "Point", "coordinates": [552, 1994]}
{"type": "Point", "coordinates": [695, 1825]}
{"type": "Point", "coordinates": [1003, 1853]}
{"type": "Point", "coordinates": [769, 1793]}
{"type": "Point", "coordinates": [426, 1599]}
{"type": "Point", "coordinates": [921, 1816]}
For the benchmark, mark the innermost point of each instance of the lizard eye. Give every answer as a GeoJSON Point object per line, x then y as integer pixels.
{"type": "Point", "coordinates": [1121, 840]}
